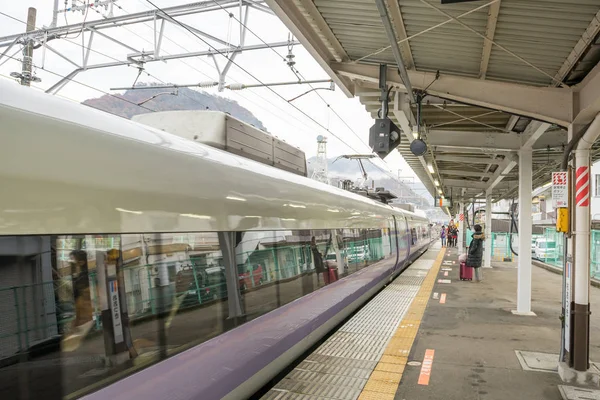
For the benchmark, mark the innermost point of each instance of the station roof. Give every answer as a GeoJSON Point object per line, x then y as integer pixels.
{"type": "Point", "coordinates": [512, 74]}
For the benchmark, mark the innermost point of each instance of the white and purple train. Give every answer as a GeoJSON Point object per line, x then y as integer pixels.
{"type": "Point", "coordinates": [136, 264]}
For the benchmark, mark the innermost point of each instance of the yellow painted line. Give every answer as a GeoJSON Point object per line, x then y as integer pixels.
{"type": "Point", "coordinates": [384, 381]}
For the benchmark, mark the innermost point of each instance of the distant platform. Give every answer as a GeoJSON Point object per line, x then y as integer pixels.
{"type": "Point", "coordinates": [429, 335]}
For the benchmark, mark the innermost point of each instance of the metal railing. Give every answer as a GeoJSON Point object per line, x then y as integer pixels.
{"type": "Point", "coordinates": [33, 313]}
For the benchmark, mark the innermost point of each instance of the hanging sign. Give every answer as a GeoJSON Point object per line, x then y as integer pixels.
{"type": "Point", "coordinates": [560, 189]}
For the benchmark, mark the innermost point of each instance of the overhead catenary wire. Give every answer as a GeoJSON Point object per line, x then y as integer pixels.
{"type": "Point", "coordinates": [244, 70]}
{"type": "Point", "coordinates": [276, 115]}
{"type": "Point", "coordinates": [300, 76]}
{"type": "Point", "coordinates": [86, 85]}
{"type": "Point", "coordinates": [189, 65]}
{"type": "Point", "coordinates": [140, 69]}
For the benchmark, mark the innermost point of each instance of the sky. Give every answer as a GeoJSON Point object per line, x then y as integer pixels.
{"type": "Point", "coordinates": [347, 134]}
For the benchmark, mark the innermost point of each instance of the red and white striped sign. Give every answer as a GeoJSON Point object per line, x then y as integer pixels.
{"type": "Point", "coordinates": [461, 217]}
{"type": "Point", "coordinates": [582, 187]}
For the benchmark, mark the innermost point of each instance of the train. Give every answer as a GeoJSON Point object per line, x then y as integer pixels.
{"type": "Point", "coordinates": [139, 264]}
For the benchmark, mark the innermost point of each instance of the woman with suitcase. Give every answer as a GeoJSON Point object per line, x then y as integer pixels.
{"type": "Point", "coordinates": [475, 254]}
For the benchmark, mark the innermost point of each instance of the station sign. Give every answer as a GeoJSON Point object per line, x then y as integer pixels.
{"type": "Point", "coordinates": [443, 202]}
{"type": "Point", "coordinates": [560, 189]}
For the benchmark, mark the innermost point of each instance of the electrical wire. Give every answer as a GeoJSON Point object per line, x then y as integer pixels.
{"type": "Point", "coordinates": [299, 75]}
{"type": "Point", "coordinates": [85, 85]}
{"type": "Point", "coordinates": [107, 56]}
{"type": "Point", "coordinates": [244, 70]}
{"type": "Point", "coordinates": [182, 61]}
{"type": "Point", "coordinates": [198, 37]}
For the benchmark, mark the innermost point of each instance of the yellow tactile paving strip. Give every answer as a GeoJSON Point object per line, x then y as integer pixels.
{"type": "Point", "coordinates": [384, 381]}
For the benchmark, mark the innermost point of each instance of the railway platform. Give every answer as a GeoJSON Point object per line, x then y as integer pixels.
{"type": "Point", "coordinates": [429, 335]}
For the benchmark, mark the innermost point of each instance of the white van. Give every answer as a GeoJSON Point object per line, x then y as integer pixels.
{"type": "Point", "coordinates": [545, 249]}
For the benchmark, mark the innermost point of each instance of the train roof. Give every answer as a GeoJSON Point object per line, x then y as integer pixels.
{"type": "Point", "coordinates": [67, 168]}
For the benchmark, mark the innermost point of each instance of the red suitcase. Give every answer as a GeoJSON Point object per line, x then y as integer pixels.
{"type": "Point", "coordinates": [466, 273]}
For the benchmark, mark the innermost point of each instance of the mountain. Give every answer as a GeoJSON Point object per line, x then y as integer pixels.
{"type": "Point", "coordinates": [340, 169]}
{"type": "Point", "coordinates": [186, 99]}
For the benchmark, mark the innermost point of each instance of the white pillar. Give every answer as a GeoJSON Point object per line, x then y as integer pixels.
{"type": "Point", "coordinates": [525, 227]}
{"type": "Point", "coordinates": [487, 256]}
{"type": "Point", "coordinates": [582, 227]}
{"type": "Point", "coordinates": [461, 227]}
{"type": "Point", "coordinates": [581, 275]}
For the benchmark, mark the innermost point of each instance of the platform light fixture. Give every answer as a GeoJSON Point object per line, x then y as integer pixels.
{"type": "Point", "coordinates": [430, 168]}
{"type": "Point", "coordinates": [436, 182]}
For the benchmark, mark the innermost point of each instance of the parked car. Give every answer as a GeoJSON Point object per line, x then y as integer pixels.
{"type": "Point", "coordinates": [209, 284]}
{"type": "Point", "coordinates": [246, 277]}
{"type": "Point", "coordinates": [545, 249]}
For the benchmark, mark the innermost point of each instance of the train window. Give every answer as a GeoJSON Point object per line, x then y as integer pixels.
{"type": "Point", "coordinates": [402, 237]}
{"type": "Point", "coordinates": [138, 298]}
{"type": "Point", "coordinates": [413, 233]}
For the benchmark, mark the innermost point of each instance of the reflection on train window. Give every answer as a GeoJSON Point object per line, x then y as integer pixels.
{"type": "Point", "coordinates": [128, 301]}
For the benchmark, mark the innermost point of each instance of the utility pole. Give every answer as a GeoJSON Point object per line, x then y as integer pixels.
{"type": "Point", "coordinates": [26, 76]}
{"type": "Point", "coordinates": [28, 49]}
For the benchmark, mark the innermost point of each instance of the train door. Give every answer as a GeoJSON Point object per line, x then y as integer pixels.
{"type": "Point", "coordinates": [395, 245]}
{"type": "Point", "coordinates": [403, 244]}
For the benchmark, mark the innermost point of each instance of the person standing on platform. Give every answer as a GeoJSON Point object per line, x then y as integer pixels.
{"type": "Point", "coordinates": [443, 236]}
{"type": "Point", "coordinates": [318, 259]}
{"type": "Point", "coordinates": [475, 253]}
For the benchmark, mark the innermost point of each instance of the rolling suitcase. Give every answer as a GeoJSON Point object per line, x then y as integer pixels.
{"type": "Point", "coordinates": [466, 273]}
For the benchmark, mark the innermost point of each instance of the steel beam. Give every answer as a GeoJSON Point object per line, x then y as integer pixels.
{"type": "Point", "coordinates": [63, 81]}
{"type": "Point", "coordinates": [144, 16]}
{"type": "Point", "coordinates": [403, 115]}
{"type": "Point", "coordinates": [588, 97]}
{"type": "Point", "coordinates": [462, 183]}
{"type": "Point", "coordinates": [189, 55]}
{"type": "Point", "coordinates": [579, 50]}
{"type": "Point", "coordinates": [490, 31]}
{"type": "Point", "coordinates": [471, 150]}
{"type": "Point", "coordinates": [259, 6]}
{"type": "Point", "coordinates": [512, 121]}
{"type": "Point", "coordinates": [553, 105]}
{"type": "Point", "coordinates": [532, 133]}
{"type": "Point", "coordinates": [503, 169]}
{"type": "Point", "coordinates": [389, 30]}
{"type": "Point", "coordinates": [398, 22]}
{"type": "Point", "coordinates": [468, 160]}
{"type": "Point", "coordinates": [483, 140]}
{"type": "Point", "coordinates": [486, 142]}
{"type": "Point", "coordinates": [470, 174]}
{"type": "Point", "coordinates": [296, 22]}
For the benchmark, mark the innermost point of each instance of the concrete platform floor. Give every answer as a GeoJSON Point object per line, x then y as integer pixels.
{"type": "Point", "coordinates": [475, 336]}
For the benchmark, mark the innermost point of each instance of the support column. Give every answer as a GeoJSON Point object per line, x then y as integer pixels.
{"type": "Point", "coordinates": [461, 227]}
{"type": "Point", "coordinates": [581, 311]}
{"type": "Point", "coordinates": [525, 228]}
{"type": "Point", "coordinates": [487, 255]}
